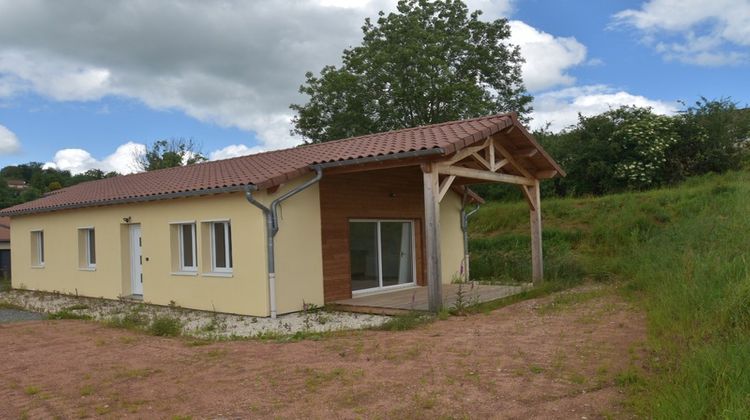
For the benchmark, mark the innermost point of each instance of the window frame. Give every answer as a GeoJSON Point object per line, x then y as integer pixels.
{"type": "Point", "coordinates": [181, 247]}
{"type": "Point", "coordinates": [38, 259]}
{"type": "Point", "coordinates": [228, 260]}
{"type": "Point", "coordinates": [87, 244]}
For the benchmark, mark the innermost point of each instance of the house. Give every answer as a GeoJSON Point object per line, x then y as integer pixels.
{"type": "Point", "coordinates": [17, 184]}
{"type": "Point", "coordinates": [267, 233]}
{"type": "Point", "coordinates": [5, 247]}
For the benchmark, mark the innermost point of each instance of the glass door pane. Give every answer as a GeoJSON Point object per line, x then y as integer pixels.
{"type": "Point", "coordinates": [364, 258]}
{"type": "Point", "coordinates": [396, 247]}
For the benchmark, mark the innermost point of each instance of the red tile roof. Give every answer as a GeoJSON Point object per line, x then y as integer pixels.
{"type": "Point", "coordinates": [267, 169]}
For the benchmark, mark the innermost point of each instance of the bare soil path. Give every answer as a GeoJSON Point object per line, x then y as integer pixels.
{"type": "Point", "coordinates": [555, 357]}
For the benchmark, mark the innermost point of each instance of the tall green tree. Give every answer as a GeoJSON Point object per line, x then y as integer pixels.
{"type": "Point", "coordinates": [168, 154]}
{"type": "Point", "coordinates": [429, 62]}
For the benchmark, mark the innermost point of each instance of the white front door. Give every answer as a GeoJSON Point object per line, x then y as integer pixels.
{"type": "Point", "coordinates": [136, 260]}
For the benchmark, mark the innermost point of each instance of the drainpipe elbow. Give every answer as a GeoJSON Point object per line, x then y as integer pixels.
{"type": "Point", "coordinates": [249, 190]}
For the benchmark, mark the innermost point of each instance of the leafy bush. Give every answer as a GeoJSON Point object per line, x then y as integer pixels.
{"type": "Point", "coordinates": [631, 148]}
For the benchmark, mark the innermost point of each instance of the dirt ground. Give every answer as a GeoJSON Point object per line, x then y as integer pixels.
{"type": "Point", "coordinates": [555, 357]}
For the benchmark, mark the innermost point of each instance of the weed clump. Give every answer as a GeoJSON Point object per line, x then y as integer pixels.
{"type": "Point", "coordinates": [165, 326]}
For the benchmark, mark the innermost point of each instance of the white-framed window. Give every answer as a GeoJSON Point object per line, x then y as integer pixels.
{"type": "Point", "coordinates": [87, 247]}
{"type": "Point", "coordinates": [37, 248]}
{"type": "Point", "coordinates": [188, 249]}
{"type": "Point", "coordinates": [221, 246]}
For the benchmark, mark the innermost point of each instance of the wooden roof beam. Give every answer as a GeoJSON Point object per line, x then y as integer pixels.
{"type": "Point", "coordinates": [466, 152]}
{"type": "Point", "coordinates": [445, 184]}
{"type": "Point", "coordinates": [484, 175]}
{"type": "Point", "coordinates": [531, 151]}
{"type": "Point", "coordinates": [511, 158]}
{"type": "Point", "coordinates": [546, 174]}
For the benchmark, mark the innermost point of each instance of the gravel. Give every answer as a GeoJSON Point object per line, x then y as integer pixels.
{"type": "Point", "coordinates": [13, 315]}
{"type": "Point", "coordinates": [194, 323]}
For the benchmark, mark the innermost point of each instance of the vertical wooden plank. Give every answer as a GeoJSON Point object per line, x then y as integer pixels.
{"type": "Point", "coordinates": [432, 237]}
{"type": "Point", "coordinates": [535, 212]}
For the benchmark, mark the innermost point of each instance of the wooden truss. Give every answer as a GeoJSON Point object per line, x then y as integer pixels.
{"type": "Point", "coordinates": [488, 161]}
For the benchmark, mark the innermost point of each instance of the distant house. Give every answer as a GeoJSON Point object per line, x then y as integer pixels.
{"type": "Point", "coordinates": [17, 184]}
{"type": "Point", "coordinates": [5, 247]}
{"type": "Point", "coordinates": [266, 233]}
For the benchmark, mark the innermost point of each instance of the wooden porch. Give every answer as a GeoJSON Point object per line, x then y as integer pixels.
{"type": "Point", "coordinates": [402, 301]}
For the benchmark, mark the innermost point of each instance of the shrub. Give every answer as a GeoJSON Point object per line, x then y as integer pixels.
{"type": "Point", "coordinates": [165, 326]}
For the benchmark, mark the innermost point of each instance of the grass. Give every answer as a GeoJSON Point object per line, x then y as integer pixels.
{"type": "Point", "coordinates": [8, 305]}
{"type": "Point", "coordinates": [406, 322]}
{"type": "Point", "coordinates": [67, 314]}
{"type": "Point", "coordinates": [31, 390]}
{"type": "Point", "coordinates": [679, 253]}
{"type": "Point", "coordinates": [87, 390]}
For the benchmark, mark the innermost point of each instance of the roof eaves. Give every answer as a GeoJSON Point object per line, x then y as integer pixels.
{"type": "Point", "coordinates": [536, 144]}
{"type": "Point", "coordinates": [126, 200]}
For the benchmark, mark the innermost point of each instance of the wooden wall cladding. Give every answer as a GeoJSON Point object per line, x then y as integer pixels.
{"type": "Point", "coordinates": [395, 193]}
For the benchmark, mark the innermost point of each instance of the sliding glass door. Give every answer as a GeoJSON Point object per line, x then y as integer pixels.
{"type": "Point", "coordinates": [381, 253]}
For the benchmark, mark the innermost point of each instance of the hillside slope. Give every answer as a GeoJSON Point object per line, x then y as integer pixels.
{"type": "Point", "coordinates": [682, 254]}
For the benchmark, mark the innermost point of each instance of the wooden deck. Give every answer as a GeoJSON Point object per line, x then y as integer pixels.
{"type": "Point", "coordinates": [402, 301]}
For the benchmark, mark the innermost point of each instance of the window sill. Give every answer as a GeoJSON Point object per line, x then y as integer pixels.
{"type": "Point", "coordinates": [86, 268]}
{"type": "Point", "coordinates": [212, 274]}
{"type": "Point", "coordinates": [37, 266]}
{"type": "Point", "coordinates": [184, 273]}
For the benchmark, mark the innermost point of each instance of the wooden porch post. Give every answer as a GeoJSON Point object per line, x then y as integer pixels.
{"type": "Point", "coordinates": [535, 213]}
{"type": "Point", "coordinates": [432, 236]}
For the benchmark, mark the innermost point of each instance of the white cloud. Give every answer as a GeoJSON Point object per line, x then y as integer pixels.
{"type": "Point", "coordinates": [547, 57]}
{"type": "Point", "coordinates": [78, 160]}
{"type": "Point", "coordinates": [698, 32]}
{"type": "Point", "coordinates": [491, 9]}
{"type": "Point", "coordinates": [234, 63]}
{"type": "Point", "coordinates": [123, 159]}
{"type": "Point", "coordinates": [8, 141]}
{"type": "Point", "coordinates": [234, 150]}
{"type": "Point", "coordinates": [561, 108]}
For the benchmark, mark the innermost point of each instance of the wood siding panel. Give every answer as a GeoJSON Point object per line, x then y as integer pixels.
{"type": "Point", "coordinates": [382, 194]}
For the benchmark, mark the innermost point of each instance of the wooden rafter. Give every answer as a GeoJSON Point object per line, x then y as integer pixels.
{"type": "Point", "coordinates": [527, 194]}
{"type": "Point", "coordinates": [445, 184]}
{"type": "Point", "coordinates": [464, 153]}
{"type": "Point", "coordinates": [531, 151]}
{"type": "Point", "coordinates": [512, 160]}
{"type": "Point", "coordinates": [484, 175]}
{"type": "Point", "coordinates": [491, 154]}
{"type": "Point", "coordinates": [482, 160]}
{"type": "Point", "coordinates": [546, 174]}
{"type": "Point", "coordinates": [499, 165]}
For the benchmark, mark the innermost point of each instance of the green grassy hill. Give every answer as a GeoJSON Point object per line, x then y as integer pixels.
{"type": "Point", "coordinates": [682, 254]}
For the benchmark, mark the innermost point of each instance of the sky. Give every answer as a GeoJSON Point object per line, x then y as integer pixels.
{"type": "Point", "coordinates": [87, 84]}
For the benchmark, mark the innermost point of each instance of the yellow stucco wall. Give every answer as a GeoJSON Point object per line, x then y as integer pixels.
{"type": "Point", "coordinates": [299, 265]}
{"type": "Point", "coordinates": [451, 236]}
